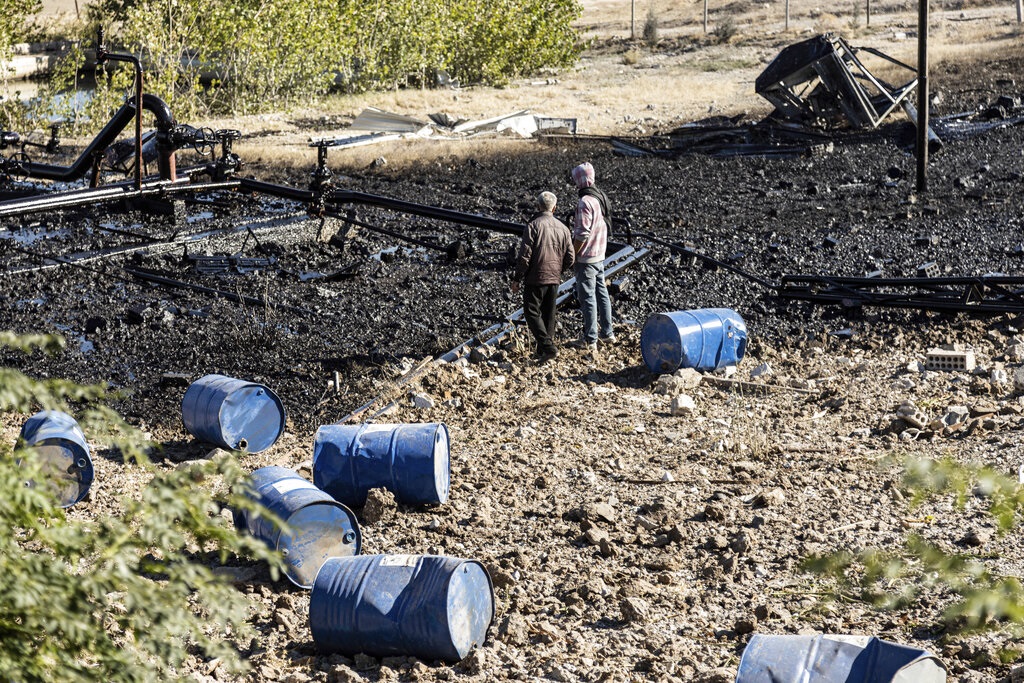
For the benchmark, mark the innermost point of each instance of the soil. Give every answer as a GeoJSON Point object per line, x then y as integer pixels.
{"type": "Point", "coordinates": [625, 543]}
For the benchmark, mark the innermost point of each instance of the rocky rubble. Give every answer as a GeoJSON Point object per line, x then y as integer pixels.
{"type": "Point", "coordinates": [636, 527]}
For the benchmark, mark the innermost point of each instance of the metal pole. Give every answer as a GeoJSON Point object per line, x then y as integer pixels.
{"type": "Point", "coordinates": [1020, 11]}
{"type": "Point", "coordinates": [868, 22]}
{"type": "Point", "coordinates": [632, 19]}
{"type": "Point", "coordinates": [787, 15]}
{"type": "Point", "coordinates": [705, 16]}
{"type": "Point", "coordinates": [922, 96]}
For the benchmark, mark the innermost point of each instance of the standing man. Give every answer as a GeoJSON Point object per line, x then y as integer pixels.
{"type": "Point", "coordinates": [546, 250]}
{"type": "Point", "coordinates": [590, 241]}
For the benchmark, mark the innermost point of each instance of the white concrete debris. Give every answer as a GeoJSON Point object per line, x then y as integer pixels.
{"type": "Point", "coordinates": [683, 405]}
{"type": "Point", "coordinates": [762, 370]}
{"type": "Point", "coordinates": [422, 401]}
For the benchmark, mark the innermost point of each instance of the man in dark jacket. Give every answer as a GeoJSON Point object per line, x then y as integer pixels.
{"type": "Point", "coordinates": [546, 251]}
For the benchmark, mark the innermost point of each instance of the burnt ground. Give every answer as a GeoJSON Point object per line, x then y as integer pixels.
{"type": "Point", "coordinates": [625, 543]}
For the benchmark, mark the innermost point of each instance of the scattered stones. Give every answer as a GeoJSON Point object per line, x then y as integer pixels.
{"type": "Point", "coordinates": [767, 499]}
{"type": "Point", "coordinates": [380, 505]}
{"type": "Point", "coordinates": [634, 609]}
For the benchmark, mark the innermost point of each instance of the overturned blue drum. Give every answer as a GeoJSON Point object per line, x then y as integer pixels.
{"type": "Point", "coordinates": [702, 338]}
{"type": "Point", "coordinates": [319, 527]}
{"type": "Point", "coordinates": [424, 606]}
{"type": "Point", "coordinates": [410, 460]}
{"type": "Point", "coordinates": [836, 659]}
{"type": "Point", "coordinates": [63, 453]}
{"type": "Point", "coordinates": [232, 413]}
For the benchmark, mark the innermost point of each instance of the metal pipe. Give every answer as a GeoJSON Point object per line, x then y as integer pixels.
{"type": "Point", "coordinates": [102, 55]}
{"type": "Point", "coordinates": [384, 231]}
{"type": "Point", "coordinates": [107, 193]}
{"type": "Point", "coordinates": [922, 96]}
{"type": "Point", "coordinates": [462, 218]}
{"type": "Point", "coordinates": [80, 167]}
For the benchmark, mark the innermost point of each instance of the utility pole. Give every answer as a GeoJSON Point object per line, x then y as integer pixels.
{"type": "Point", "coordinates": [922, 96]}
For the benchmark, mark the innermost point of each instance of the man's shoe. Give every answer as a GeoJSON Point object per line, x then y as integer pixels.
{"type": "Point", "coordinates": [581, 344]}
{"type": "Point", "coordinates": [547, 356]}
{"type": "Point", "coordinates": [610, 340]}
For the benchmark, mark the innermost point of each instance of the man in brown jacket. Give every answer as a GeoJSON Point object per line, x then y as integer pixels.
{"type": "Point", "coordinates": [546, 250]}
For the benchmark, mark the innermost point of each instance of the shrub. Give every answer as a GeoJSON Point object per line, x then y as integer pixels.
{"type": "Point", "coordinates": [725, 30]}
{"type": "Point", "coordinates": [894, 579]}
{"type": "Point", "coordinates": [211, 57]}
{"type": "Point", "coordinates": [122, 597]}
{"type": "Point", "coordinates": [651, 27]}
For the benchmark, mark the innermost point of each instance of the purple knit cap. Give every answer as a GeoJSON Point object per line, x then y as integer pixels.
{"type": "Point", "coordinates": [583, 175]}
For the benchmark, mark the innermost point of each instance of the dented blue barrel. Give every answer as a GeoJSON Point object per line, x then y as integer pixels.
{"type": "Point", "coordinates": [425, 606]}
{"type": "Point", "coordinates": [410, 460]}
{"type": "Point", "coordinates": [233, 413]}
{"type": "Point", "coordinates": [702, 338]}
{"type": "Point", "coordinates": [63, 453]}
{"type": "Point", "coordinates": [836, 659]}
{"type": "Point", "coordinates": [319, 527]}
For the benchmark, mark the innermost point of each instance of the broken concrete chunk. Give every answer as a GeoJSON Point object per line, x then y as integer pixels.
{"type": "Point", "coordinates": [683, 405]}
{"type": "Point", "coordinates": [422, 401]}
{"type": "Point", "coordinates": [762, 370]}
{"type": "Point", "coordinates": [943, 359]}
{"type": "Point", "coordinates": [688, 377]}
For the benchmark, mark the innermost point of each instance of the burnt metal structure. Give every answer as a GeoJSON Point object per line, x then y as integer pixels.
{"type": "Point", "coordinates": [822, 81]}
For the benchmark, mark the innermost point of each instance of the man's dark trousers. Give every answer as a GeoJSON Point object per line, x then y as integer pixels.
{"type": "Point", "coordinates": [539, 310]}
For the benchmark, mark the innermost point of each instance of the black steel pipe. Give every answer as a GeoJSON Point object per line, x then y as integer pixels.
{"type": "Point", "coordinates": [103, 139]}
{"type": "Point", "coordinates": [450, 215]}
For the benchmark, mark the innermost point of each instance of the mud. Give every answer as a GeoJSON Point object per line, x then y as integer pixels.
{"type": "Point", "coordinates": [625, 543]}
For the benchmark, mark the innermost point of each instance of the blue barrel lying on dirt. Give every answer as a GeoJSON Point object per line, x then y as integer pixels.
{"type": "Point", "coordinates": [703, 339]}
{"type": "Point", "coordinates": [63, 453]}
{"type": "Point", "coordinates": [410, 460]}
{"type": "Point", "coordinates": [319, 527]}
{"type": "Point", "coordinates": [425, 606]}
{"type": "Point", "coordinates": [232, 413]}
{"type": "Point", "coordinates": [836, 659]}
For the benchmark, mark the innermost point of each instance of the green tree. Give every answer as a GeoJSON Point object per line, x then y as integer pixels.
{"type": "Point", "coordinates": [892, 579]}
{"type": "Point", "coordinates": [117, 597]}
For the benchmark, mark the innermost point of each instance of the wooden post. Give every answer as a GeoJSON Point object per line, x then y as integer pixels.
{"type": "Point", "coordinates": [632, 19]}
{"type": "Point", "coordinates": [1020, 11]}
{"type": "Point", "coordinates": [922, 96]}
{"type": "Point", "coordinates": [787, 15]}
{"type": "Point", "coordinates": [868, 18]}
{"type": "Point", "coordinates": [705, 16]}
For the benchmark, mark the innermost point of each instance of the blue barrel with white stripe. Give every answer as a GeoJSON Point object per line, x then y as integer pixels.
{"type": "Point", "coordinates": [411, 460]}
{"type": "Point", "coordinates": [319, 527]}
{"type": "Point", "coordinates": [62, 452]}
{"type": "Point", "coordinates": [702, 339]}
{"type": "Point", "coordinates": [233, 413]}
{"type": "Point", "coordinates": [425, 606]}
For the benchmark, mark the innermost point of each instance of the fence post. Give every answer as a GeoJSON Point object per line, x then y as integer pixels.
{"type": "Point", "coordinates": [705, 16]}
{"type": "Point", "coordinates": [787, 15]}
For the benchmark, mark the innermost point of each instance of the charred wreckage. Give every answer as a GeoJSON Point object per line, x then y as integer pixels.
{"type": "Point", "coordinates": [815, 84]}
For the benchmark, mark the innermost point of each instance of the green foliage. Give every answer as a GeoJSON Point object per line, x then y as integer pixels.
{"type": "Point", "coordinates": [210, 57]}
{"type": "Point", "coordinates": [894, 579]}
{"type": "Point", "coordinates": [14, 14]}
{"type": "Point", "coordinates": [120, 597]}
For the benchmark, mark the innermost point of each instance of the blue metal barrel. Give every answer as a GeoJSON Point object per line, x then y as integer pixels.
{"type": "Point", "coordinates": [426, 606]}
{"type": "Point", "coordinates": [410, 460]}
{"type": "Point", "coordinates": [836, 659]}
{"type": "Point", "coordinates": [703, 339]}
{"type": "Point", "coordinates": [63, 453]}
{"type": "Point", "coordinates": [319, 527]}
{"type": "Point", "coordinates": [233, 413]}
